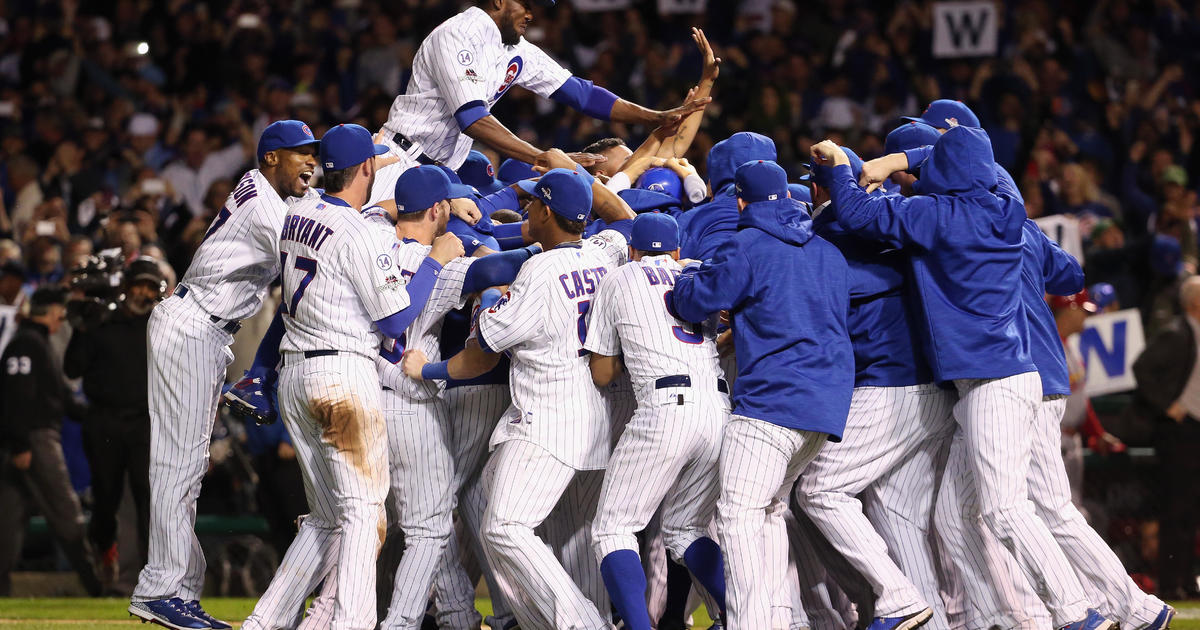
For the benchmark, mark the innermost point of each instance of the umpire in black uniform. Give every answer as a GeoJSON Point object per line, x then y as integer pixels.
{"type": "Point", "coordinates": [1168, 377]}
{"type": "Point", "coordinates": [110, 356]}
{"type": "Point", "coordinates": [34, 397]}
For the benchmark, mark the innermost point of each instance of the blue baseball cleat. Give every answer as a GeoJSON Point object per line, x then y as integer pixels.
{"type": "Point", "coordinates": [908, 622]}
{"type": "Point", "coordinates": [196, 611]}
{"type": "Point", "coordinates": [169, 613]}
{"type": "Point", "coordinates": [1163, 620]}
{"type": "Point", "coordinates": [1093, 621]}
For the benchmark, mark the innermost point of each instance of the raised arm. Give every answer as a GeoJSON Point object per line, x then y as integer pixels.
{"type": "Point", "coordinates": [678, 144]}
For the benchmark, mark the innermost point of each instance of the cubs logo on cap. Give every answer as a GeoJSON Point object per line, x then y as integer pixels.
{"type": "Point", "coordinates": [284, 134]}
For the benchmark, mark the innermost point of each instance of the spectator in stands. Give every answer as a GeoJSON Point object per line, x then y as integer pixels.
{"type": "Point", "coordinates": [33, 473]}
{"type": "Point", "coordinates": [200, 166]}
{"type": "Point", "coordinates": [1168, 377]}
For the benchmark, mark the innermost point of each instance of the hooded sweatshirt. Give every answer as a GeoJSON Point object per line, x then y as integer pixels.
{"type": "Point", "coordinates": [964, 241]}
{"type": "Point", "coordinates": [788, 292]}
{"type": "Point", "coordinates": [706, 227]}
{"type": "Point", "coordinates": [1046, 268]}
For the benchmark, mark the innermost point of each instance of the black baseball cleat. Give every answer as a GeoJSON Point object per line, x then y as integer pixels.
{"type": "Point", "coordinates": [168, 613]}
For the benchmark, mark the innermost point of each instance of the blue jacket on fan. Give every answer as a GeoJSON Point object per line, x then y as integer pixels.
{"type": "Point", "coordinates": [706, 227]}
{"type": "Point", "coordinates": [1046, 268]}
{"type": "Point", "coordinates": [788, 292]}
{"type": "Point", "coordinates": [964, 241]}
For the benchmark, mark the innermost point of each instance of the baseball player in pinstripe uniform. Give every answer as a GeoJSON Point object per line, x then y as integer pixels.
{"type": "Point", "coordinates": [671, 446]}
{"type": "Point", "coordinates": [419, 430]}
{"type": "Point", "coordinates": [1046, 268]}
{"type": "Point", "coordinates": [189, 336]}
{"type": "Point", "coordinates": [965, 246]}
{"type": "Point", "coordinates": [464, 67]}
{"type": "Point", "coordinates": [896, 411]}
{"type": "Point", "coordinates": [788, 293]}
{"type": "Point", "coordinates": [555, 437]}
{"type": "Point", "coordinates": [342, 291]}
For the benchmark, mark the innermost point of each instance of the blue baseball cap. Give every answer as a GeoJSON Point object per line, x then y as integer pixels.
{"type": "Point", "coordinates": [284, 134]}
{"type": "Point", "coordinates": [513, 170]}
{"type": "Point", "coordinates": [419, 188]}
{"type": "Point", "coordinates": [641, 200]}
{"type": "Point", "coordinates": [663, 180]}
{"type": "Point", "coordinates": [348, 145]}
{"type": "Point", "coordinates": [478, 171]}
{"type": "Point", "coordinates": [1102, 294]}
{"type": "Point", "coordinates": [945, 113]}
{"type": "Point", "coordinates": [567, 193]}
{"type": "Point", "coordinates": [458, 190]}
{"type": "Point", "coordinates": [909, 136]}
{"type": "Point", "coordinates": [800, 192]}
{"type": "Point", "coordinates": [760, 180]}
{"type": "Point", "coordinates": [654, 232]}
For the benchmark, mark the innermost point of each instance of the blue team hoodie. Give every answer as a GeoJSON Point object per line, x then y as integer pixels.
{"type": "Point", "coordinates": [883, 330]}
{"type": "Point", "coordinates": [965, 245]}
{"type": "Point", "coordinates": [788, 292]}
{"type": "Point", "coordinates": [706, 227]}
{"type": "Point", "coordinates": [1046, 268]}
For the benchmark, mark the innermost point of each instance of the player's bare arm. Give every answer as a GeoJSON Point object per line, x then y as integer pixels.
{"type": "Point", "coordinates": [604, 369]}
{"type": "Point", "coordinates": [875, 172]}
{"type": "Point", "coordinates": [679, 142]}
{"type": "Point", "coordinates": [470, 362]}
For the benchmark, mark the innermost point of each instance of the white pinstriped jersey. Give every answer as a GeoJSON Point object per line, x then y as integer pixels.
{"type": "Point", "coordinates": [423, 333]}
{"type": "Point", "coordinates": [463, 61]}
{"type": "Point", "coordinates": [339, 277]}
{"type": "Point", "coordinates": [542, 323]}
{"type": "Point", "coordinates": [629, 316]}
{"type": "Point", "coordinates": [239, 256]}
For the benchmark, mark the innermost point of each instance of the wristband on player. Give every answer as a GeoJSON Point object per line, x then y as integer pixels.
{"type": "Point", "coordinates": [436, 371]}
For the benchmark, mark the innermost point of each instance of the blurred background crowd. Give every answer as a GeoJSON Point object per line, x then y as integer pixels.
{"type": "Point", "coordinates": [125, 123]}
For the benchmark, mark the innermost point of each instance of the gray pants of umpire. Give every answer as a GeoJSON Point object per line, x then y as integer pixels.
{"type": "Point", "coordinates": [45, 488]}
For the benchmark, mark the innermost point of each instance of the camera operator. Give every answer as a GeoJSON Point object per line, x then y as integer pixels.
{"type": "Point", "coordinates": [108, 350]}
{"type": "Point", "coordinates": [33, 398]}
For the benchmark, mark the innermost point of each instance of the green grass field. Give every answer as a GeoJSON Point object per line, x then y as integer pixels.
{"type": "Point", "coordinates": [45, 613]}
{"type": "Point", "coordinates": [54, 613]}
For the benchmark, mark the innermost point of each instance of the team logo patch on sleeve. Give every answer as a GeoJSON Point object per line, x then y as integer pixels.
{"type": "Point", "coordinates": [510, 77]}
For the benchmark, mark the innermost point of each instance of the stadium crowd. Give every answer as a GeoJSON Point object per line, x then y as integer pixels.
{"type": "Point", "coordinates": [125, 124]}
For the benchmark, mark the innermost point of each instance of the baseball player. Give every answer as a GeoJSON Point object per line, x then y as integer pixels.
{"type": "Point", "coordinates": [342, 295]}
{"type": "Point", "coordinates": [708, 226]}
{"type": "Point", "coordinates": [419, 430]}
{"type": "Point", "coordinates": [556, 436]}
{"type": "Point", "coordinates": [964, 241]}
{"type": "Point", "coordinates": [188, 348]}
{"type": "Point", "coordinates": [1048, 269]}
{"type": "Point", "coordinates": [464, 67]}
{"type": "Point", "coordinates": [896, 412]}
{"type": "Point", "coordinates": [671, 446]}
{"type": "Point", "coordinates": [788, 292]}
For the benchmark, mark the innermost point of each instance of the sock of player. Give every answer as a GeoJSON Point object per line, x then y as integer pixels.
{"type": "Point", "coordinates": [626, 584]}
{"type": "Point", "coordinates": [703, 559]}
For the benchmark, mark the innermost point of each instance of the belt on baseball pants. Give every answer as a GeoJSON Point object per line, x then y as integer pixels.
{"type": "Point", "coordinates": [288, 357]}
{"type": "Point", "coordinates": [406, 145]}
{"type": "Point", "coordinates": [229, 326]}
{"type": "Point", "coordinates": [683, 380]}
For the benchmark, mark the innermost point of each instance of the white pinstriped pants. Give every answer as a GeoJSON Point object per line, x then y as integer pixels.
{"type": "Point", "coordinates": [886, 426]}
{"type": "Point", "coordinates": [474, 411]}
{"type": "Point", "coordinates": [187, 356]}
{"type": "Point", "coordinates": [524, 484]}
{"type": "Point", "coordinates": [759, 463]}
{"type": "Point", "coordinates": [331, 408]}
{"type": "Point", "coordinates": [670, 451]}
{"type": "Point", "coordinates": [422, 501]}
{"type": "Point", "coordinates": [999, 420]}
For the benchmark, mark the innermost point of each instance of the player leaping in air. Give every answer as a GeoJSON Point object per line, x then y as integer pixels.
{"type": "Point", "coordinates": [463, 68]}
